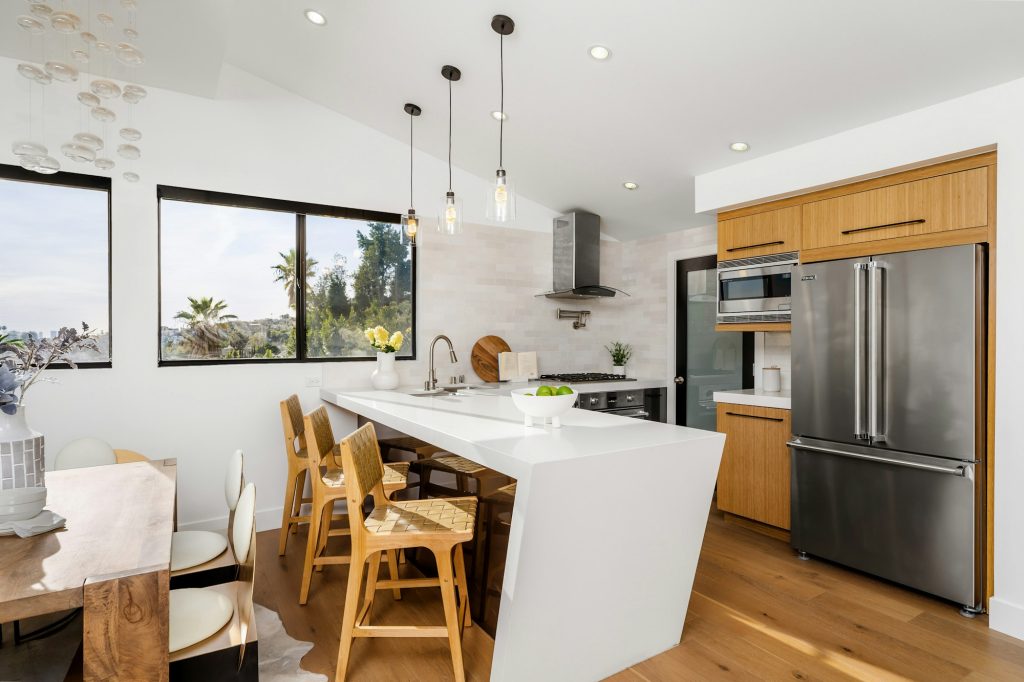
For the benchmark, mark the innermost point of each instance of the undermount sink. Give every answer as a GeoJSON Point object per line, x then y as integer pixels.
{"type": "Point", "coordinates": [425, 393]}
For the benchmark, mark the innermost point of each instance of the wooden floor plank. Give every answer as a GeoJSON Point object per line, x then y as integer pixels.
{"type": "Point", "coordinates": [757, 612]}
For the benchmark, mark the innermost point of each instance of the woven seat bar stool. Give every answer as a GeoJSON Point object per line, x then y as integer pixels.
{"type": "Point", "coordinates": [295, 483]}
{"type": "Point", "coordinates": [464, 470]}
{"type": "Point", "coordinates": [440, 525]}
{"type": "Point", "coordinates": [327, 482]}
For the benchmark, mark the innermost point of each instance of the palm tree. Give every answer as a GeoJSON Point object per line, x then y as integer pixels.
{"type": "Point", "coordinates": [288, 273]}
{"type": "Point", "coordinates": [206, 331]}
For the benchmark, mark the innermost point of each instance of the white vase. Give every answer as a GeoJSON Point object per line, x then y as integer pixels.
{"type": "Point", "coordinates": [385, 378]}
{"type": "Point", "coordinates": [619, 370]}
{"type": "Point", "coordinates": [21, 453]}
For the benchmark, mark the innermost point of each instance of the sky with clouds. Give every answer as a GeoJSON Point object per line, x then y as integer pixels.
{"type": "Point", "coordinates": [53, 257]}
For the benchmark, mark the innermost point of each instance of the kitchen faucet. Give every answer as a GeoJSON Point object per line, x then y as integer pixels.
{"type": "Point", "coordinates": [431, 383]}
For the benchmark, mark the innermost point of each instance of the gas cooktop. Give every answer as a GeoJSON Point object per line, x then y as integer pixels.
{"type": "Point", "coordinates": [583, 377]}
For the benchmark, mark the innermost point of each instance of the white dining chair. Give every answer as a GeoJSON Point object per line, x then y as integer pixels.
{"type": "Point", "coordinates": [193, 550]}
{"type": "Point", "coordinates": [211, 627]}
{"type": "Point", "coordinates": [84, 452]}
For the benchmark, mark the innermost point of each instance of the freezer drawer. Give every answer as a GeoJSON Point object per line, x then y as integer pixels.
{"type": "Point", "coordinates": [908, 518]}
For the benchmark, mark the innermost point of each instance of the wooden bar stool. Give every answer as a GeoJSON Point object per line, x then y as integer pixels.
{"type": "Point", "coordinates": [295, 483]}
{"type": "Point", "coordinates": [440, 525]}
{"type": "Point", "coordinates": [495, 519]}
{"type": "Point", "coordinates": [415, 446]}
{"type": "Point", "coordinates": [465, 471]}
{"type": "Point", "coordinates": [327, 481]}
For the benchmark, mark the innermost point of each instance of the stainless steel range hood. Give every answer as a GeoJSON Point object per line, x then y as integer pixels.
{"type": "Point", "coordinates": [577, 258]}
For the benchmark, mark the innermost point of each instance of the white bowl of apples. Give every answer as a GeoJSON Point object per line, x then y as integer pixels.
{"type": "Point", "coordinates": [544, 403]}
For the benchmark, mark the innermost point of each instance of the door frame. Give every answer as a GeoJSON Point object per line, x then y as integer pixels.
{"type": "Point", "coordinates": [672, 258]}
{"type": "Point", "coordinates": [706, 249]}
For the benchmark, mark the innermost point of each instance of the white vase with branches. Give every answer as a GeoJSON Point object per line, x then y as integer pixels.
{"type": "Point", "coordinates": [22, 363]}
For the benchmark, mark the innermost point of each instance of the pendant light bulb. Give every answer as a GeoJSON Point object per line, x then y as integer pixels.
{"type": "Point", "coordinates": [411, 225]}
{"type": "Point", "coordinates": [501, 199]}
{"type": "Point", "coordinates": [449, 218]}
{"type": "Point", "coordinates": [410, 221]}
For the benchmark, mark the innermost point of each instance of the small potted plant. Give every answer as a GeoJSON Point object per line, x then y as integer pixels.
{"type": "Point", "coordinates": [384, 377]}
{"type": "Point", "coordinates": [621, 353]}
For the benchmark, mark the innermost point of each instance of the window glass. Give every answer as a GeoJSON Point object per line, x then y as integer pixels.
{"type": "Point", "coordinates": [227, 282]}
{"type": "Point", "coordinates": [54, 261]}
{"type": "Point", "coordinates": [360, 275]}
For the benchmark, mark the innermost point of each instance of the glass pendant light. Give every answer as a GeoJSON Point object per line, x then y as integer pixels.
{"type": "Point", "coordinates": [449, 218]}
{"type": "Point", "coordinates": [501, 197]}
{"type": "Point", "coordinates": [410, 221]}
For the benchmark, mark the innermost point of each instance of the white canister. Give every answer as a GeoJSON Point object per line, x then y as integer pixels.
{"type": "Point", "coordinates": [771, 379]}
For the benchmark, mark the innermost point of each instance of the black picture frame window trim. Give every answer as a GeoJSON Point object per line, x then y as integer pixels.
{"type": "Point", "coordinates": [80, 181]}
{"type": "Point", "coordinates": [301, 211]}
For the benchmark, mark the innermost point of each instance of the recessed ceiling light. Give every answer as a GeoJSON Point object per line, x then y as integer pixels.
{"type": "Point", "coordinates": [739, 146]}
{"type": "Point", "coordinates": [499, 116]}
{"type": "Point", "coordinates": [630, 185]}
{"type": "Point", "coordinates": [316, 17]}
{"type": "Point", "coordinates": [600, 52]}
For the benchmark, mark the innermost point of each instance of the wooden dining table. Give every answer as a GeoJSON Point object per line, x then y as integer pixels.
{"type": "Point", "coordinates": [112, 559]}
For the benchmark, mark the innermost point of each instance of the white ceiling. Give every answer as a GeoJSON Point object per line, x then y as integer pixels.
{"type": "Point", "coordinates": [183, 40]}
{"type": "Point", "coordinates": [686, 78]}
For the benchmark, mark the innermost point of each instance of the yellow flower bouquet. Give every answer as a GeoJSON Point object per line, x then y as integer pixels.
{"type": "Point", "coordinates": [384, 341]}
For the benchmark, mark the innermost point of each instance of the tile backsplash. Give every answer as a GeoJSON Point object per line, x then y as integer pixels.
{"type": "Point", "coordinates": [772, 349]}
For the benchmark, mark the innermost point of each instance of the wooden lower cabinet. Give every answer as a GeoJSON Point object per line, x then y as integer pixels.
{"type": "Point", "coordinates": [753, 480]}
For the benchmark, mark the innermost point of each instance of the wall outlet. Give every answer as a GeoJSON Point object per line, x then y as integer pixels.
{"type": "Point", "coordinates": [314, 382]}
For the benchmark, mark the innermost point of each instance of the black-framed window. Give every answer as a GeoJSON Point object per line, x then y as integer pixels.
{"type": "Point", "coordinates": [248, 279]}
{"type": "Point", "coordinates": [55, 264]}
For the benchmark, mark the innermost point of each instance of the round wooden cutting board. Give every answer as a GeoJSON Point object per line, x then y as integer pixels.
{"type": "Point", "coordinates": [485, 357]}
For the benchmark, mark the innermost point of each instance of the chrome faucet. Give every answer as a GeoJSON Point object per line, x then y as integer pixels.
{"type": "Point", "coordinates": [431, 383]}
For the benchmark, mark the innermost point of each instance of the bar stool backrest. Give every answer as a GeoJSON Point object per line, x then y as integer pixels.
{"type": "Point", "coordinates": [319, 440]}
{"type": "Point", "coordinates": [364, 473]}
{"type": "Point", "coordinates": [294, 434]}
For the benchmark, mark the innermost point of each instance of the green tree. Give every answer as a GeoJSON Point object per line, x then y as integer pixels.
{"type": "Point", "coordinates": [205, 331]}
{"type": "Point", "coordinates": [384, 274]}
{"type": "Point", "coordinates": [287, 272]}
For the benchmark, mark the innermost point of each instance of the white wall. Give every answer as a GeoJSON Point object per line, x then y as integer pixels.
{"type": "Point", "coordinates": [990, 117]}
{"type": "Point", "coordinates": [256, 139]}
{"type": "Point", "coordinates": [259, 140]}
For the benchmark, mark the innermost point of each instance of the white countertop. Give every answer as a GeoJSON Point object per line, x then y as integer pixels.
{"type": "Point", "coordinates": [756, 397]}
{"type": "Point", "coordinates": [599, 481]}
{"type": "Point", "coordinates": [488, 425]}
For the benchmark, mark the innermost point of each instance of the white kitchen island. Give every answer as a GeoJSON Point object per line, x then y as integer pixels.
{"type": "Point", "coordinates": [607, 526]}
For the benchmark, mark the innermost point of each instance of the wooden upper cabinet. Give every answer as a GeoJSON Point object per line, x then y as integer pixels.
{"type": "Point", "coordinates": [760, 234]}
{"type": "Point", "coordinates": [953, 201]}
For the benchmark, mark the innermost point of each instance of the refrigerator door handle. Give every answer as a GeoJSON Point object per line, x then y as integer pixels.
{"type": "Point", "coordinates": [960, 470]}
{"type": "Point", "coordinates": [876, 350]}
{"type": "Point", "coordinates": [860, 429]}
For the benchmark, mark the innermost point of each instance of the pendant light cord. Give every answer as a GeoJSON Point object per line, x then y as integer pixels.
{"type": "Point", "coordinates": [501, 118]}
{"type": "Point", "coordinates": [411, 161]}
{"type": "Point", "coordinates": [449, 135]}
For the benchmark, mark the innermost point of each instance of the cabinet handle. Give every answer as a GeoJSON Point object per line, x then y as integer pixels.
{"type": "Point", "coordinates": [754, 246]}
{"type": "Point", "coordinates": [879, 227]}
{"type": "Point", "coordinates": [755, 416]}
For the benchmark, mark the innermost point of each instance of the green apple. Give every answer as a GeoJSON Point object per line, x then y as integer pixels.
{"type": "Point", "coordinates": [563, 390]}
{"type": "Point", "coordinates": [545, 391]}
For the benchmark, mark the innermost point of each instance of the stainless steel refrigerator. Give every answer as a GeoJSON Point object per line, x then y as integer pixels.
{"type": "Point", "coordinates": [889, 417]}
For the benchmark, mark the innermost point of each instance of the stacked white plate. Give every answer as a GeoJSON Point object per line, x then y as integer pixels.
{"type": "Point", "coordinates": [21, 503]}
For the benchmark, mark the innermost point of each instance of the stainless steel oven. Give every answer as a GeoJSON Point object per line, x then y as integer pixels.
{"type": "Point", "coordinates": [756, 289]}
{"type": "Point", "coordinates": [637, 404]}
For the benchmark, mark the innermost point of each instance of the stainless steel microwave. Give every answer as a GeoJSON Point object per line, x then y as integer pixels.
{"type": "Point", "coordinates": [756, 289]}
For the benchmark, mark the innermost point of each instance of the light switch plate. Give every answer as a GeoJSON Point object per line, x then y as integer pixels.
{"type": "Point", "coordinates": [314, 382]}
